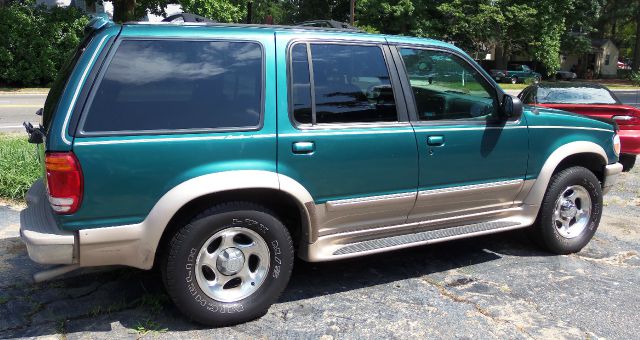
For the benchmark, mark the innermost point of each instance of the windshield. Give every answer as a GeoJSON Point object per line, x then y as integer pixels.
{"type": "Point", "coordinates": [61, 81]}
{"type": "Point", "coordinates": [575, 95]}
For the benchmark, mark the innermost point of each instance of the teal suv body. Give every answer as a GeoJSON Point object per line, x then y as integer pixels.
{"type": "Point", "coordinates": [217, 151]}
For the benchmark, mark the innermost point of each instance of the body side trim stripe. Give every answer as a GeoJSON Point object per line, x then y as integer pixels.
{"type": "Point", "coordinates": [370, 199]}
{"type": "Point", "coordinates": [175, 139]}
{"type": "Point", "coordinates": [469, 187]}
{"type": "Point", "coordinates": [569, 128]}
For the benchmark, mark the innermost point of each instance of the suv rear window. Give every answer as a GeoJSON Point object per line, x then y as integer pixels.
{"type": "Point", "coordinates": [153, 85]}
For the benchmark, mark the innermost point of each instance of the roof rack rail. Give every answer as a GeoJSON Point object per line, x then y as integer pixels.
{"type": "Point", "coordinates": [187, 17]}
{"type": "Point", "coordinates": [327, 23]}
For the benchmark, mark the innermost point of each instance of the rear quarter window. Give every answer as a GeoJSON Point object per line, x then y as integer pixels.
{"type": "Point", "coordinates": [164, 85]}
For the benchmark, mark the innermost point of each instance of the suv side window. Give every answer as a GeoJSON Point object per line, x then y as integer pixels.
{"type": "Point", "coordinates": [156, 85]}
{"type": "Point", "coordinates": [343, 84]}
{"type": "Point", "coordinates": [446, 87]}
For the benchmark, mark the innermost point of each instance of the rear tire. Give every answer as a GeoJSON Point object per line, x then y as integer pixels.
{"type": "Point", "coordinates": [514, 80]}
{"type": "Point", "coordinates": [570, 212]}
{"type": "Point", "coordinates": [229, 264]}
{"type": "Point", "coordinates": [627, 161]}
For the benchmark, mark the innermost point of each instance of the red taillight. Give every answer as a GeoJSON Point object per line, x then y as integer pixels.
{"type": "Point", "coordinates": [64, 181]}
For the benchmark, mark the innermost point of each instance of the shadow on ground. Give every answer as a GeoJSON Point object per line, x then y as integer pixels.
{"type": "Point", "coordinates": [136, 299]}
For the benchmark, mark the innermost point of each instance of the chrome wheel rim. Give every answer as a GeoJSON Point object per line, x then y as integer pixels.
{"type": "Point", "coordinates": [232, 264]}
{"type": "Point", "coordinates": [572, 211]}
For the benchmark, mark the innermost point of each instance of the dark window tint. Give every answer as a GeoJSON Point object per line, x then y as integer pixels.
{"type": "Point", "coordinates": [446, 87]}
{"type": "Point", "coordinates": [169, 85]}
{"type": "Point", "coordinates": [575, 95]}
{"type": "Point", "coordinates": [350, 85]}
{"type": "Point", "coordinates": [61, 80]}
{"type": "Point", "coordinates": [301, 91]}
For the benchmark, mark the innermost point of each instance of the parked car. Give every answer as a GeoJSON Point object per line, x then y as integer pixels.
{"type": "Point", "coordinates": [218, 152]}
{"type": "Point", "coordinates": [591, 100]}
{"type": "Point", "coordinates": [516, 73]}
{"type": "Point", "coordinates": [565, 75]}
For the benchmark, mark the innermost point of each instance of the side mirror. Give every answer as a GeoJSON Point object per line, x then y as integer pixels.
{"type": "Point", "coordinates": [511, 107]}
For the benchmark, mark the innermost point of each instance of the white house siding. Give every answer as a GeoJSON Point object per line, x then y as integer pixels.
{"type": "Point", "coordinates": [610, 69]}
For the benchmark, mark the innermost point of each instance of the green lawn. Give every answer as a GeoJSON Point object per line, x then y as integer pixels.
{"type": "Point", "coordinates": [19, 166]}
{"type": "Point", "coordinates": [25, 90]}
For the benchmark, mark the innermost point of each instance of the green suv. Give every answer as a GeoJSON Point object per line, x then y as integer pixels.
{"type": "Point", "coordinates": [218, 152]}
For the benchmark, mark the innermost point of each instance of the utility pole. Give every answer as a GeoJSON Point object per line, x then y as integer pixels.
{"type": "Point", "coordinates": [353, 12]}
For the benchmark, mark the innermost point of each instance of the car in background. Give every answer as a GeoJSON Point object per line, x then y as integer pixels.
{"type": "Point", "coordinates": [592, 100]}
{"type": "Point", "coordinates": [515, 73]}
{"type": "Point", "coordinates": [565, 75]}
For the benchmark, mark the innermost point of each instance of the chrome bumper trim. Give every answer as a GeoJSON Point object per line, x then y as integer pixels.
{"type": "Point", "coordinates": [611, 173]}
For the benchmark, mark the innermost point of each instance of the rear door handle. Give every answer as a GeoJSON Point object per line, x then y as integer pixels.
{"type": "Point", "coordinates": [435, 140]}
{"type": "Point", "coordinates": [303, 147]}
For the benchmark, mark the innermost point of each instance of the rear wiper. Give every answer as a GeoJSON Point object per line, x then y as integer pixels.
{"type": "Point", "coordinates": [36, 134]}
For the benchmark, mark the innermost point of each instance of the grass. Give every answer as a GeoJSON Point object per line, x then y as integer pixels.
{"type": "Point", "coordinates": [142, 328]}
{"type": "Point", "coordinates": [19, 166]}
{"type": "Point", "coordinates": [24, 90]}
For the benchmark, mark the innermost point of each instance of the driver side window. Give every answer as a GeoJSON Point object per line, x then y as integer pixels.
{"type": "Point", "coordinates": [446, 87]}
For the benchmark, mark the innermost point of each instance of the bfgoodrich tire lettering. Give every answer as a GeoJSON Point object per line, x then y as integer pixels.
{"type": "Point", "coordinates": [179, 269]}
{"type": "Point", "coordinates": [550, 232]}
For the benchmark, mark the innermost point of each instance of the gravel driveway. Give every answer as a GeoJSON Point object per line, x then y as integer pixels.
{"type": "Point", "coordinates": [499, 286]}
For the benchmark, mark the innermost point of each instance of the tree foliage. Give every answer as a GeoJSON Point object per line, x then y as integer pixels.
{"type": "Point", "coordinates": [36, 41]}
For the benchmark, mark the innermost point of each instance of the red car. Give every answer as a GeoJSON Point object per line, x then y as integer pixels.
{"type": "Point", "coordinates": [595, 101]}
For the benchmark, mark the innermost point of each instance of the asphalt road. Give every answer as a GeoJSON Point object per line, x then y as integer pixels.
{"type": "Point", "coordinates": [494, 287]}
{"type": "Point", "coordinates": [17, 108]}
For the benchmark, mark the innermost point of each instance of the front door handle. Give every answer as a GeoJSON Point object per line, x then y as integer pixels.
{"type": "Point", "coordinates": [435, 140]}
{"type": "Point", "coordinates": [303, 147]}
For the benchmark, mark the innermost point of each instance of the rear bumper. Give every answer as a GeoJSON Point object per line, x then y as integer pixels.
{"type": "Point", "coordinates": [611, 173]}
{"type": "Point", "coordinates": [630, 140]}
{"type": "Point", "coordinates": [45, 242]}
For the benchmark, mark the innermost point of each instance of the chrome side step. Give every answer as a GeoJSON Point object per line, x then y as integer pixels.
{"type": "Point", "coordinates": [427, 237]}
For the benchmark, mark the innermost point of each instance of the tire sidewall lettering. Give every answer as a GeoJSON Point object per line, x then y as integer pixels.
{"type": "Point", "coordinates": [214, 306]}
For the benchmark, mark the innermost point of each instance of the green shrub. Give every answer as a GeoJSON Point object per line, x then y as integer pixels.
{"type": "Point", "coordinates": [634, 76]}
{"type": "Point", "coordinates": [36, 41]}
{"type": "Point", "coordinates": [19, 166]}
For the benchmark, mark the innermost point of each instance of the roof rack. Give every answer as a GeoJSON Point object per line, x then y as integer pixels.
{"type": "Point", "coordinates": [330, 23]}
{"type": "Point", "coordinates": [187, 17]}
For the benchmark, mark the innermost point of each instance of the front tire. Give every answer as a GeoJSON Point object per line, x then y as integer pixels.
{"type": "Point", "coordinates": [570, 212]}
{"type": "Point", "coordinates": [514, 80]}
{"type": "Point", "coordinates": [229, 264]}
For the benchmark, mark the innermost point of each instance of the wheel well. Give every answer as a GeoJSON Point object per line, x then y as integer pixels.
{"type": "Point", "coordinates": [285, 206]}
{"type": "Point", "coordinates": [591, 161]}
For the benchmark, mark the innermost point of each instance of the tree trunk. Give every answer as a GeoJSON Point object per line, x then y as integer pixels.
{"type": "Point", "coordinates": [124, 10]}
{"type": "Point", "coordinates": [502, 57]}
{"type": "Point", "coordinates": [636, 48]}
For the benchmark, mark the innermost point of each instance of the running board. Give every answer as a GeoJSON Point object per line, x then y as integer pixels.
{"type": "Point", "coordinates": [426, 237]}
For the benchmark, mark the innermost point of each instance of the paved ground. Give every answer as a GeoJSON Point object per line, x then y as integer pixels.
{"type": "Point", "coordinates": [499, 286]}
{"type": "Point", "coordinates": [17, 108]}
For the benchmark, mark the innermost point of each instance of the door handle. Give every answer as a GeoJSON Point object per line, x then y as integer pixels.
{"type": "Point", "coordinates": [303, 147]}
{"type": "Point", "coordinates": [435, 140]}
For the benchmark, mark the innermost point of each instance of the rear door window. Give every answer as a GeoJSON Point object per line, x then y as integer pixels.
{"type": "Point", "coordinates": [343, 84]}
{"type": "Point", "coordinates": [164, 85]}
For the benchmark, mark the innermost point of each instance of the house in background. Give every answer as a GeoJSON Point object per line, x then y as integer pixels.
{"type": "Point", "coordinates": [601, 61]}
